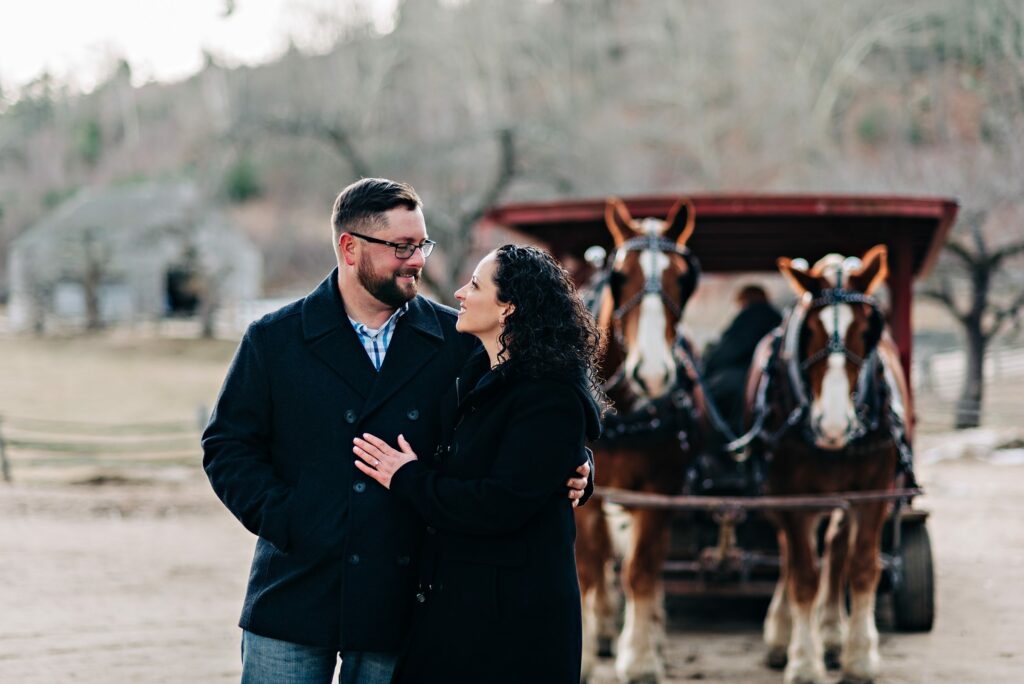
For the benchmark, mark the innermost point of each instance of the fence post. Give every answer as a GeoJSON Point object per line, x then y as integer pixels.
{"type": "Point", "coordinates": [5, 467]}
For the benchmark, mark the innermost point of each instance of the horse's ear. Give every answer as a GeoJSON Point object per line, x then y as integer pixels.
{"type": "Point", "coordinates": [872, 273]}
{"type": "Point", "coordinates": [680, 221]}
{"type": "Point", "coordinates": [800, 280]}
{"type": "Point", "coordinates": [620, 223]}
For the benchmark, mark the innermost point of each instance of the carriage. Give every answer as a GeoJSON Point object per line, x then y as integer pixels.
{"type": "Point", "coordinates": [721, 543]}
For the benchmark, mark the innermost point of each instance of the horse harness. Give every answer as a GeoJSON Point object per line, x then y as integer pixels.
{"type": "Point", "coordinates": [611, 279]}
{"type": "Point", "coordinates": [872, 394]}
{"type": "Point", "coordinates": [674, 412]}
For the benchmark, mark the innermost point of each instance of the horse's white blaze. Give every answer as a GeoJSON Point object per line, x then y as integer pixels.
{"type": "Point", "coordinates": [833, 411]}
{"type": "Point", "coordinates": [651, 358]}
{"type": "Point", "coordinates": [637, 653]}
{"type": "Point", "coordinates": [805, 661]}
{"type": "Point", "coordinates": [860, 653]}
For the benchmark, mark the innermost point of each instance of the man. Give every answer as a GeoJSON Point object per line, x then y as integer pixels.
{"type": "Point", "coordinates": [726, 363]}
{"type": "Point", "coordinates": [363, 353]}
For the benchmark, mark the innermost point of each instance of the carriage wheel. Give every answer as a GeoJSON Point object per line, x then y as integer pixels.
{"type": "Point", "coordinates": [913, 601]}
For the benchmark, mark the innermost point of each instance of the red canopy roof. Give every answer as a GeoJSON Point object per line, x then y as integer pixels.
{"type": "Point", "coordinates": [736, 233]}
{"type": "Point", "coordinates": [748, 232]}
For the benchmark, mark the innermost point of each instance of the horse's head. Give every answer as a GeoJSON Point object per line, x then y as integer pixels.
{"type": "Point", "coordinates": [832, 333]}
{"type": "Point", "coordinates": [652, 277]}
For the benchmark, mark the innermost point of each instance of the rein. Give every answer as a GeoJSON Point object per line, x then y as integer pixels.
{"type": "Point", "coordinates": [652, 285]}
{"type": "Point", "coordinates": [675, 411]}
{"type": "Point", "coordinates": [872, 393]}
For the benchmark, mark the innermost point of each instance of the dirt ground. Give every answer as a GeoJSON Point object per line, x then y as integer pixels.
{"type": "Point", "coordinates": [142, 581]}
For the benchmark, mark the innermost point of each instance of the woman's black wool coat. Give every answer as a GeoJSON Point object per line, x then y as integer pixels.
{"type": "Point", "coordinates": [499, 599]}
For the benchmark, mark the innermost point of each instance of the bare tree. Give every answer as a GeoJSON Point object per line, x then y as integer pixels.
{"type": "Point", "coordinates": [982, 313]}
{"type": "Point", "coordinates": [95, 262]}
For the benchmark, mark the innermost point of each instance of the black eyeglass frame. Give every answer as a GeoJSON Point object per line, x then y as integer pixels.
{"type": "Point", "coordinates": [427, 246]}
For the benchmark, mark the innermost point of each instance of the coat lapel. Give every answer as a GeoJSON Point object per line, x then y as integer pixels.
{"type": "Point", "coordinates": [330, 337]}
{"type": "Point", "coordinates": [417, 338]}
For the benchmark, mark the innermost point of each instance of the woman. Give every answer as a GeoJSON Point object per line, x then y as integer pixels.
{"type": "Point", "coordinates": [499, 598]}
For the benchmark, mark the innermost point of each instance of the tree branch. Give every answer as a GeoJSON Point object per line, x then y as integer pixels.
{"type": "Point", "coordinates": [335, 134]}
{"type": "Point", "coordinates": [506, 173]}
{"type": "Point", "coordinates": [1003, 313]}
{"type": "Point", "coordinates": [961, 251]}
{"type": "Point", "coordinates": [1006, 252]}
{"type": "Point", "coordinates": [943, 294]}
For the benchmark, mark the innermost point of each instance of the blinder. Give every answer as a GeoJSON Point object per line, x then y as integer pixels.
{"type": "Point", "coordinates": [652, 285]}
{"type": "Point", "coordinates": [867, 404]}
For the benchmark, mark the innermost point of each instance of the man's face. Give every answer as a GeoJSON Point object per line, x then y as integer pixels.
{"type": "Point", "coordinates": [391, 280]}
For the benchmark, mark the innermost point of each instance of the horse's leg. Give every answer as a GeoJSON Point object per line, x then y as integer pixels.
{"type": "Point", "coordinates": [860, 652]}
{"type": "Point", "coordinates": [638, 659]}
{"type": "Point", "coordinates": [777, 624]}
{"type": "Point", "coordinates": [831, 606]}
{"type": "Point", "coordinates": [593, 552]}
{"type": "Point", "coordinates": [804, 661]}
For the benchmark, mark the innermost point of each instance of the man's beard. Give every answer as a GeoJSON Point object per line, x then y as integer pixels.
{"type": "Point", "coordinates": [386, 288]}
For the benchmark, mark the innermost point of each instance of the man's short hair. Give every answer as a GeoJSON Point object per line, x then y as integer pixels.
{"type": "Point", "coordinates": [751, 294]}
{"type": "Point", "coordinates": [362, 204]}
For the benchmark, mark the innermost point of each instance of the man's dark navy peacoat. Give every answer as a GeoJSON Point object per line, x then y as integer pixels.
{"type": "Point", "coordinates": [334, 564]}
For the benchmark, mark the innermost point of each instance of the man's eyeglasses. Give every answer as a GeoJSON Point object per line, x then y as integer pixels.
{"type": "Point", "coordinates": [403, 250]}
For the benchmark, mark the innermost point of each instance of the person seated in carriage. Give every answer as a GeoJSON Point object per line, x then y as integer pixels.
{"type": "Point", "coordinates": [726, 362]}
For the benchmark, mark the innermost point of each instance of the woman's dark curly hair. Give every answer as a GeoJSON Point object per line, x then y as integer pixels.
{"type": "Point", "coordinates": [550, 333]}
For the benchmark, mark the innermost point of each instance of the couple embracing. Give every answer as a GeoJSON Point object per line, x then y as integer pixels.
{"type": "Point", "coordinates": [410, 470]}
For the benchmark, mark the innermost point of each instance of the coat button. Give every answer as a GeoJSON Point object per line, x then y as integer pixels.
{"type": "Point", "coordinates": [360, 487]}
{"type": "Point", "coordinates": [421, 597]}
{"type": "Point", "coordinates": [403, 560]}
{"type": "Point", "coordinates": [413, 414]}
{"type": "Point", "coordinates": [353, 559]}
{"type": "Point", "coordinates": [431, 530]}
{"type": "Point", "coordinates": [350, 416]}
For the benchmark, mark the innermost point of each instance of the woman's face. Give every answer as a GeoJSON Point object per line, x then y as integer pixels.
{"type": "Point", "coordinates": [480, 312]}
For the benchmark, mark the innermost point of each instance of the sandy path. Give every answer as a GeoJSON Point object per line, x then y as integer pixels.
{"type": "Point", "coordinates": [144, 584]}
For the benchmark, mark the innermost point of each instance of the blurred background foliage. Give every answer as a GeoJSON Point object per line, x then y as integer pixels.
{"type": "Point", "coordinates": [477, 102]}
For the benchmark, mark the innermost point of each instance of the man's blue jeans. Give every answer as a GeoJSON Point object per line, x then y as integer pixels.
{"type": "Point", "coordinates": [270, 661]}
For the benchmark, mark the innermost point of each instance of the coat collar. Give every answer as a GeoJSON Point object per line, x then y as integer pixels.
{"type": "Point", "coordinates": [330, 336]}
{"type": "Point", "coordinates": [323, 310]}
{"type": "Point", "coordinates": [479, 381]}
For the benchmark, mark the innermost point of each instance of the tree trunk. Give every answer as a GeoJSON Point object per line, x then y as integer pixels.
{"type": "Point", "coordinates": [968, 408]}
{"type": "Point", "coordinates": [91, 288]}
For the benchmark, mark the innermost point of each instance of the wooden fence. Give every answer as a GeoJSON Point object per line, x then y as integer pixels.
{"type": "Point", "coordinates": [35, 442]}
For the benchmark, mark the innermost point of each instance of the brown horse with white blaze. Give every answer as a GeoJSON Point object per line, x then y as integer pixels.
{"type": "Point", "coordinates": [639, 302]}
{"type": "Point", "coordinates": [835, 408]}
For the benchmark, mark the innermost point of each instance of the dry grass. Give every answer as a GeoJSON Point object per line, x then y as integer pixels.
{"type": "Point", "coordinates": [110, 378]}
{"type": "Point", "coordinates": [116, 378]}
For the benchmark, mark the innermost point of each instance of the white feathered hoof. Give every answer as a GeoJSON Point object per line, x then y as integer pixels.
{"type": "Point", "coordinates": [807, 672]}
{"type": "Point", "coordinates": [860, 671]}
{"type": "Point", "coordinates": [636, 674]}
{"type": "Point", "coordinates": [632, 670]}
{"type": "Point", "coordinates": [776, 658]}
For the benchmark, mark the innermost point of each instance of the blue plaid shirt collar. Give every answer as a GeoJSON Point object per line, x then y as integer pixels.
{"type": "Point", "coordinates": [376, 342]}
